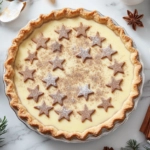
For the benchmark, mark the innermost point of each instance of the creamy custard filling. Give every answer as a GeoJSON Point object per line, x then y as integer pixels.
{"type": "Point", "coordinates": [94, 72]}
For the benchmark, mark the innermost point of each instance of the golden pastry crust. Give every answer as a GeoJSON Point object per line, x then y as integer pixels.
{"type": "Point", "coordinates": [52, 131]}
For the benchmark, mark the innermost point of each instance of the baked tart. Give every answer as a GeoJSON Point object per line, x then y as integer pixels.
{"type": "Point", "coordinates": [72, 74]}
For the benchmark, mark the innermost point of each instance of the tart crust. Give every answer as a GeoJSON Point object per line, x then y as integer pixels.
{"type": "Point", "coordinates": [50, 130]}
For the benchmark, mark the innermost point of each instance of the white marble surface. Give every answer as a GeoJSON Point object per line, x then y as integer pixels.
{"type": "Point", "coordinates": [19, 137]}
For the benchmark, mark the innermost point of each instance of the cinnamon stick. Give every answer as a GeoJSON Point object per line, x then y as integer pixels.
{"type": "Point", "coordinates": [148, 131]}
{"type": "Point", "coordinates": [145, 125]}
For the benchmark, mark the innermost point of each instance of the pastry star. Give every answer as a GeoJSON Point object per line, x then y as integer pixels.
{"type": "Point", "coordinates": [84, 91]}
{"type": "Point", "coordinates": [81, 30]}
{"type": "Point", "coordinates": [86, 113]}
{"type": "Point", "coordinates": [97, 40]}
{"type": "Point", "coordinates": [31, 57]}
{"type": "Point", "coordinates": [63, 32]}
{"type": "Point", "coordinates": [34, 93]}
{"type": "Point", "coordinates": [117, 67]}
{"type": "Point", "coordinates": [84, 54]}
{"type": "Point", "coordinates": [57, 63]}
{"type": "Point", "coordinates": [114, 85]}
{"type": "Point", "coordinates": [105, 104]}
{"type": "Point", "coordinates": [41, 41]}
{"type": "Point", "coordinates": [27, 74]}
{"type": "Point", "coordinates": [44, 109]}
{"type": "Point", "coordinates": [58, 98]}
{"type": "Point", "coordinates": [56, 47]}
{"type": "Point", "coordinates": [50, 80]}
{"type": "Point", "coordinates": [108, 52]}
{"type": "Point", "coordinates": [64, 113]}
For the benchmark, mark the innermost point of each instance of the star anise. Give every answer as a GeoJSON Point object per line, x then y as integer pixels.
{"type": "Point", "coordinates": [134, 19]}
{"type": "Point", "coordinates": [107, 148]}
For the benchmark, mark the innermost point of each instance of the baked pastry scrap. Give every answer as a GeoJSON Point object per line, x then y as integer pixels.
{"type": "Point", "coordinates": [72, 73]}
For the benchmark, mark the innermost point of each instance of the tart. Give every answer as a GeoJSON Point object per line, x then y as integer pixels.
{"type": "Point", "coordinates": [72, 73]}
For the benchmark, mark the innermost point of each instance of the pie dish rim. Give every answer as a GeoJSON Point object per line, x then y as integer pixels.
{"type": "Point", "coordinates": [27, 118]}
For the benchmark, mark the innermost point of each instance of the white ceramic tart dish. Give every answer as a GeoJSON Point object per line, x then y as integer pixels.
{"type": "Point", "coordinates": [72, 74]}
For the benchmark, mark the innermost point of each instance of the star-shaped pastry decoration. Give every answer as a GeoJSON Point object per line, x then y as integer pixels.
{"type": "Point", "coordinates": [84, 54]}
{"type": "Point", "coordinates": [58, 98]}
{"type": "Point", "coordinates": [56, 47]}
{"type": "Point", "coordinates": [105, 104]}
{"type": "Point", "coordinates": [57, 63]}
{"type": "Point", "coordinates": [85, 91]}
{"type": "Point", "coordinates": [63, 32]}
{"type": "Point", "coordinates": [43, 109]}
{"type": "Point", "coordinates": [27, 74]}
{"type": "Point", "coordinates": [97, 40]}
{"type": "Point", "coordinates": [40, 41]}
{"type": "Point", "coordinates": [107, 52]}
{"type": "Point", "coordinates": [50, 81]}
{"type": "Point", "coordinates": [34, 93]}
{"type": "Point", "coordinates": [117, 67]}
{"type": "Point", "coordinates": [114, 85]}
{"type": "Point", "coordinates": [31, 57]}
{"type": "Point", "coordinates": [64, 114]}
{"type": "Point", "coordinates": [81, 30]}
{"type": "Point", "coordinates": [86, 113]}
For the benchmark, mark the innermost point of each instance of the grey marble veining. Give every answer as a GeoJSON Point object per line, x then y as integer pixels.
{"type": "Point", "coordinates": [19, 137]}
